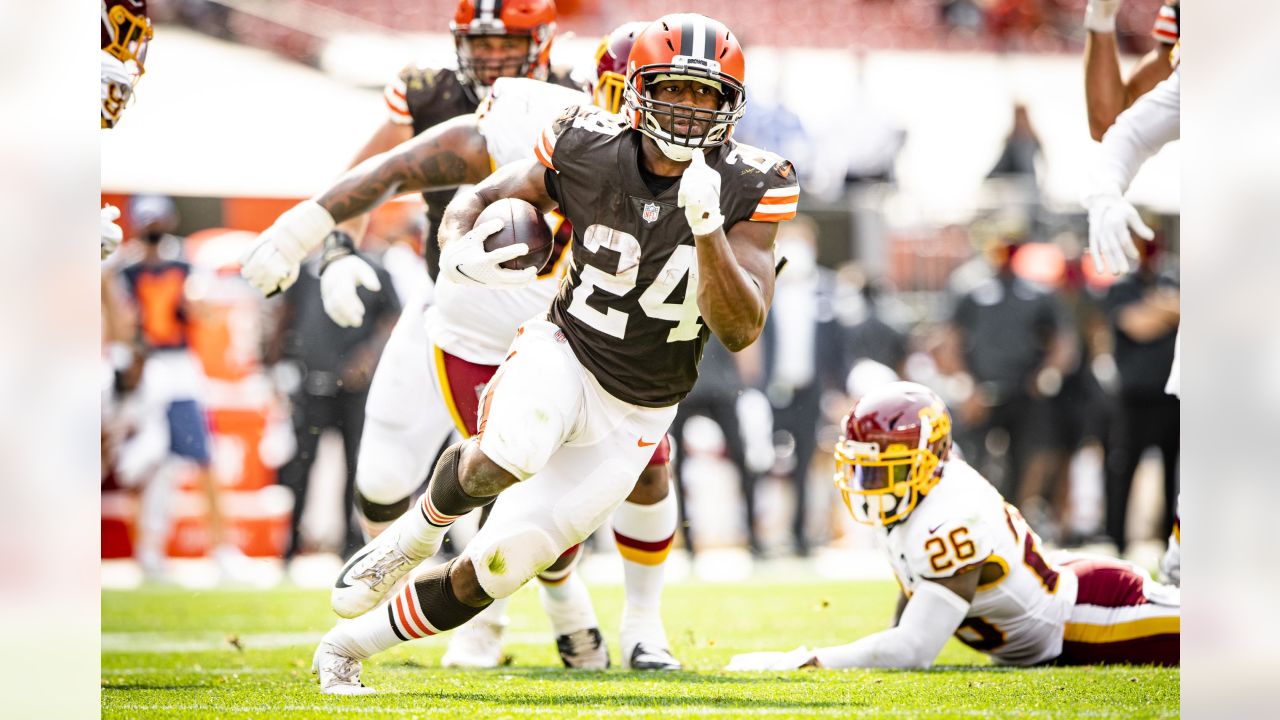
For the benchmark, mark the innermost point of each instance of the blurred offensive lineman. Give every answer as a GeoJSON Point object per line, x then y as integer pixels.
{"type": "Point", "coordinates": [126, 30]}
{"type": "Point", "coordinates": [967, 563]}
{"type": "Point", "coordinates": [468, 332]}
{"type": "Point", "coordinates": [511, 38]}
{"type": "Point", "coordinates": [1106, 93]}
{"type": "Point", "coordinates": [583, 396]}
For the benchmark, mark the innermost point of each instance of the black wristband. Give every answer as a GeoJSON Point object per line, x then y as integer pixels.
{"type": "Point", "coordinates": [337, 244]}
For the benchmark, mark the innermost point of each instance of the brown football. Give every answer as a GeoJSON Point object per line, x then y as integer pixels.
{"type": "Point", "coordinates": [521, 223]}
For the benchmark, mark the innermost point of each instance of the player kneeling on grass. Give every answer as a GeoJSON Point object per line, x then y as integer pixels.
{"type": "Point", "coordinates": [969, 565]}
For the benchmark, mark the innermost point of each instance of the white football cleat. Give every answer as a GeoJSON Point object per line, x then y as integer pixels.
{"type": "Point", "coordinates": [369, 576]}
{"type": "Point", "coordinates": [338, 673]}
{"type": "Point", "coordinates": [477, 644]}
{"type": "Point", "coordinates": [583, 650]}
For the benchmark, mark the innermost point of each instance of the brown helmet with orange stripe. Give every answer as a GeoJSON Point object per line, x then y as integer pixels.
{"type": "Point", "coordinates": [610, 79]}
{"type": "Point", "coordinates": [686, 46]}
{"type": "Point", "coordinates": [484, 31]}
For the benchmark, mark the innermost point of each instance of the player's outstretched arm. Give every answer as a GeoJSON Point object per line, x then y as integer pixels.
{"type": "Point", "coordinates": [1106, 92]}
{"type": "Point", "coordinates": [1139, 132]}
{"type": "Point", "coordinates": [445, 156]}
{"type": "Point", "coordinates": [929, 619]}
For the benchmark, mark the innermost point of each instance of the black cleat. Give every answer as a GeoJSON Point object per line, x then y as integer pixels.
{"type": "Point", "coordinates": [645, 657]}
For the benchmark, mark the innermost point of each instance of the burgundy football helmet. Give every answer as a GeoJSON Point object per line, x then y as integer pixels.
{"type": "Point", "coordinates": [891, 452]}
{"type": "Point", "coordinates": [126, 30]}
{"type": "Point", "coordinates": [610, 78]}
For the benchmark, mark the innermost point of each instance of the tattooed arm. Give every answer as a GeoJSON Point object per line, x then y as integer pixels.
{"type": "Point", "coordinates": [447, 155]}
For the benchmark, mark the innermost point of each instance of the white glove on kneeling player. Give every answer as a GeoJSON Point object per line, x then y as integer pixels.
{"type": "Point", "coordinates": [700, 196]}
{"type": "Point", "coordinates": [1100, 15]}
{"type": "Point", "coordinates": [271, 265]}
{"type": "Point", "coordinates": [466, 262]}
{"type": "Point", "coordinates": [1111, 217]}
{"type": "Point", "coordinates": [797, 658]}
{"type": "Point", "coordinates": [112, 233]}
{"type": "Point", "coordinates": [338, 285]}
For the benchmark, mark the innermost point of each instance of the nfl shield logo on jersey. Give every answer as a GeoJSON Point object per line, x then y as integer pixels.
{"type": "Point", "coordinates": [650, 212]}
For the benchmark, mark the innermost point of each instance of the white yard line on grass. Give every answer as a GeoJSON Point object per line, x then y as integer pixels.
{"type": "Point", "coordinates": [181, 642]}
{"type": "Point", "coordinates": [674, 710]}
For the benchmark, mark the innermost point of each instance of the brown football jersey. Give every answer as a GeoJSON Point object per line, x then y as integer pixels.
{"type": "Point", "coordinates": [629, 307]}
{"type": "Point", "coordinates": [425, 97]}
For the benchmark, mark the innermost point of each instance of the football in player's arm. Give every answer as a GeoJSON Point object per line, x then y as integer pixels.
{"type": "Point", "coordinates": [735, 283]}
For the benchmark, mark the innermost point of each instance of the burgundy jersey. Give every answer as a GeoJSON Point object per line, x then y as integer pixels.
{"type": "Point", "coordinates": [628, 307]}
{"type": "Point", "coordinates": [425, 97]}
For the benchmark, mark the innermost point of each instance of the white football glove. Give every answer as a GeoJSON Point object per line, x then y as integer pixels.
{"type": "Point", "coordinates": [700, 196]}
{"type": "Point", "coordinates": [1100, 15]}
{"type": "Point", "coordinates": [771, 660]}
{"type": "Point", "coordinates": [338, 285]}
{"type": "Point", "coordinates": [1111, 217]}
{"type": "Point", "coordinates": [466, 262]}
{"type": "Point", "coordinates": [112, 233]}
{"type": "Point", "coordinates": [271, 265]}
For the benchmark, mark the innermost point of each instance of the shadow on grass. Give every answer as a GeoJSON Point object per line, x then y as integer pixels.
{"type": "Point", "coordinates": [133, 687]}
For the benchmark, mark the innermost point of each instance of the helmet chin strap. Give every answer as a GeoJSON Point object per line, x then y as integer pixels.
{"type": "Point", "coordinates": [678, 153]}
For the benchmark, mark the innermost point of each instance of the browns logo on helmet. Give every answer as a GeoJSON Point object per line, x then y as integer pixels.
{"type": "Point", "coordinates": [126, 31]}
{"type": "Point", "coordinates": [686, 46]}
{"type": "Point", "coordinates": [891, 453]}
{"type": "Point", "coordinates": [480, 63]}
{"type": "Point", "coordinates": [610, 79]}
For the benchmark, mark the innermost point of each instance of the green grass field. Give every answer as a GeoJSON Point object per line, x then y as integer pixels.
{"type": "Point", "coordinates": [174, 653]}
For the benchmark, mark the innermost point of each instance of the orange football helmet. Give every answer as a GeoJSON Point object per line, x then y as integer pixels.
{"type": "Point", "coordinates": [610, 79]}
{"type": "Point", "coordinates": [891, 452]}
{"type": "Point", "coordinates": [532, 19]}
{"type": "Point", "coordinates": [686, 46]}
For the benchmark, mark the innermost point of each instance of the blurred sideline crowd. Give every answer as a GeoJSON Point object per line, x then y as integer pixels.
{"type": "Point", "coordinates": [299, 28]}
{"type": "Point", "coordinates": [1054, 373]}
{"type": "Point", "coordinates": [216, 404]}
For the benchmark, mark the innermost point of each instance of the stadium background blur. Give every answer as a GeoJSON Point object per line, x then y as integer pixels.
{"type": "Point", "coordinates": [933, 138]}
{"type": "Point", "coordinates": [51, 155]}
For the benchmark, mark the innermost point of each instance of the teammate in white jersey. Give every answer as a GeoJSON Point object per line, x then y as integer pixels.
{"type": "Point", "coordinates": [430, 374]}
{"type": "Point", "coordinates": [967, 563]}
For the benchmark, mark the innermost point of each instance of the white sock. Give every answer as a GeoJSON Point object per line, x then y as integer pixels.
{"type": "Point", "coordinates": [567, 604]}
{"type": "Point", "coordinates": [644, 534]}
{"type": "Point", "coordinates": [415, 535]}
{"type": "Point", "coordinates": [365, 636]}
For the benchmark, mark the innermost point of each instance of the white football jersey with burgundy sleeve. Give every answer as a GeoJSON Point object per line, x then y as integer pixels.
{"type": "Point", "coordinates": [1023, 601]}
{"type": "Point", "coordinates": [474, 323]}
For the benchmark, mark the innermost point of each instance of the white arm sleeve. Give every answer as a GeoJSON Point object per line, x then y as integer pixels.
{"type": "Point", "coordinates": [1138, 133]}
{"type": "Point", "coordinates": [930, 618]}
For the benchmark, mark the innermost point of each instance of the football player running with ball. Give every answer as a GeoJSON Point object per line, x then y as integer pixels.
{"type": "Point", "coordinates": [674, 227]}
{"type": "Point", "coordinates": [968, 564]}
{"type": "Point", "coordinates": [415, 402]}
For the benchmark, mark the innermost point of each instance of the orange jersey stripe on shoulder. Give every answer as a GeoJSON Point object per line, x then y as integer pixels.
{"type": "Point", "coordinates": [543, 154]}
{"type": "Point", "coordinates": [780, 200]}
{"type": "Point", "coordinates": [773, 217]}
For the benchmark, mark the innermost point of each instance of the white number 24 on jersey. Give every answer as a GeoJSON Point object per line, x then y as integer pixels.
{"type": "Point", "coordinates": [683, 261]}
